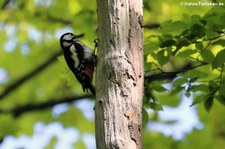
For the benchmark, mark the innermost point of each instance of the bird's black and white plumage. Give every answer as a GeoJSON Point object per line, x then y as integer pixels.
{"type": "Point", "coordinates": [80, 59]}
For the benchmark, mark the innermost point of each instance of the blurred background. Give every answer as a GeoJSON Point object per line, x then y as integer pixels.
{"type": "Point", "coordinates": [42, 106]}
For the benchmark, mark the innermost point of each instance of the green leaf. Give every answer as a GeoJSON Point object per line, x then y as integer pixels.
{"type": "Point", "coordinates": [145, 117]}
{"type": "Point", "coordinates": [197, 100]}
{"type": "Point", "coordinates": [179, 82]}
{"type": "Point", "coordinates": [163, 56]}
{"type": "Point", "coordinates": [195, 19]}
{"type": "Point", "coordinates": [148, 67]}
{"type": "Point", "coordinates": [201, 87]}
{"type": "Point", "coordinates": [208, 103]}
{"type": "Point", "coordinates": [195, 73]}
{"type": "Point", "coordinates": [215, 18]}
{"type": "Point", "coordinates": [207, 56]}
{"type": "Point", "coordinates": [220, 99]}
{"type": "Point", "coordinates": [147, 93]}
{"type": "Point", "coordinates": [155, 104]}
{"type": "Point", "coordinates": [182, 43]}
{"type": "Point", "coordinates": [213, 85]}
{"type": "Point", "coordinates": [222, 90]}
{"type": "Point", "coordinates": [174, 28]}
{"type": "Point", "coordinates": [219, 42]}
{"type": "Point", "coordinates": [168, 43]}
{"type": "Point", "coordinates": [158, 88]}
{"type": "Point", "coordinates": [199, 46]}
{"type": "Point", "coordinates": [176, 90]}
{"type": "Point", "coordinates": [210, 34]}
{"type": "Point", "coordinates": [197, 31]}
{"type": "Point", "coordinates": [151, 44]}
{"type": "Point", "coordinates": [186, 53]}
{"type": "Point", "coordinates": [219, 59]}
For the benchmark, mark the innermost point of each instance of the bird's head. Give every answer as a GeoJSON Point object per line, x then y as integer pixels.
{"type": "Point", "coordinates": [67, 39]}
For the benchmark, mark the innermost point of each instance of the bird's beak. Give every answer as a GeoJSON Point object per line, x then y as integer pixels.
{"type": "Point", "coordinates": [78, 36]}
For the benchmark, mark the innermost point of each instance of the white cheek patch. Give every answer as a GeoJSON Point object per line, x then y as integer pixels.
{"type": "Point", "coordinates": [74, 56]}
{"type": "Point", "coordinates": [68, 37]}
{"type": "Point", "coordinates": [66, 44]}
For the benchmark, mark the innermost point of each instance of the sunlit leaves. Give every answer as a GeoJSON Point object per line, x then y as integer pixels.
{"type": "Point", "coordinates": [207, 56]}
{"type": "Point", "coordinates": [186, 53]}
{"type": "Point", "coordinates": [196, 73]}
{"type": "Point", "coordinates": [219, 42]}
{"type": "Point", "coordinates": [151, 44]}
{"type": "Point", "coordinates": [173, 28]}
{"type": "Point", "coordinates": [163, 56]}
{"type": "Point", "coordinates": [219, 59]}
{"type": "Point", "coordinates": [210, 34]}
{"type": "Point", "coordinates": [199, 41]}
{"type": "Point", "coordinates": [182, 42]}
{"type": "Point", "coordinates": [215, 18]}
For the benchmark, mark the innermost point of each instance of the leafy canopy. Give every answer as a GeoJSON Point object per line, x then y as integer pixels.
{"type": "Point", "coordinates": [190, 55]}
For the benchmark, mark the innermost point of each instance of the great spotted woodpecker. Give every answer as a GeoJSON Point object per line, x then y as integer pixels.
{"type": "Point", "coordinates": [80, 59]}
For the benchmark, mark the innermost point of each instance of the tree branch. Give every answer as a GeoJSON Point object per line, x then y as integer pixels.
{"type": "Point", "coordinates": [170, 75]}
{"type": "Point", "coordinates": [151, 26]}
{"type": "Point", "coordinates": [29, 75]}
{"type": "Point", "coordinates": [19, 110]}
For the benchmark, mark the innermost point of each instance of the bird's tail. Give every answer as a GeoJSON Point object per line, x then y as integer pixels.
{"type": "Point", "coordinates": [92, 89]}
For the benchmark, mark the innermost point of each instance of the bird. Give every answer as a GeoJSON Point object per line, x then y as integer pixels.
{"type": "Point", "coordinates": [80, 59]}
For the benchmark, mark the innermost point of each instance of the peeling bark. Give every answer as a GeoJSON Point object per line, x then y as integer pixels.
{"type": "Point", "coordinates": [119, 81]}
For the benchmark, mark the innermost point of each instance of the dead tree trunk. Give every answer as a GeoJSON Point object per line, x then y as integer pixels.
{"type": "Point", "coordinates": [119, 81]}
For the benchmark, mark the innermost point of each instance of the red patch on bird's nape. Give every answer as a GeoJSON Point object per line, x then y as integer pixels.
{"type": "Point", "coordinates": [88, 72]}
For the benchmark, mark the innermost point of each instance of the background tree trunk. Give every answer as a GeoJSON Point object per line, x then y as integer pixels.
{"type": "Point", "coordinates": [119, 81]}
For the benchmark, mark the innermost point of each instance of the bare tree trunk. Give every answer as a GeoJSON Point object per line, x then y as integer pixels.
{"type": "Point", "coordinates": [119, 81]}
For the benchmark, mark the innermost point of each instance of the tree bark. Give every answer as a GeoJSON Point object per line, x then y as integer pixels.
{"type": "Point", "coordinates": [119, 76]}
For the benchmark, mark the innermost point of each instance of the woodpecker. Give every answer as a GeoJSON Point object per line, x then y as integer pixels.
{"type": "Point", "coordinates": [80, 59]}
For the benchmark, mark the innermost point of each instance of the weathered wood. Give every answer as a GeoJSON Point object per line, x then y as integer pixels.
{"type": "Point", "coordinates": [119, 81]}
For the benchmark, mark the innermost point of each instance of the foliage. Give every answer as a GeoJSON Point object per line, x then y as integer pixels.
{"type": "Point", "coordinates": [184, 57]}
{"type": "Point", "coordinates": [189, 54]}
